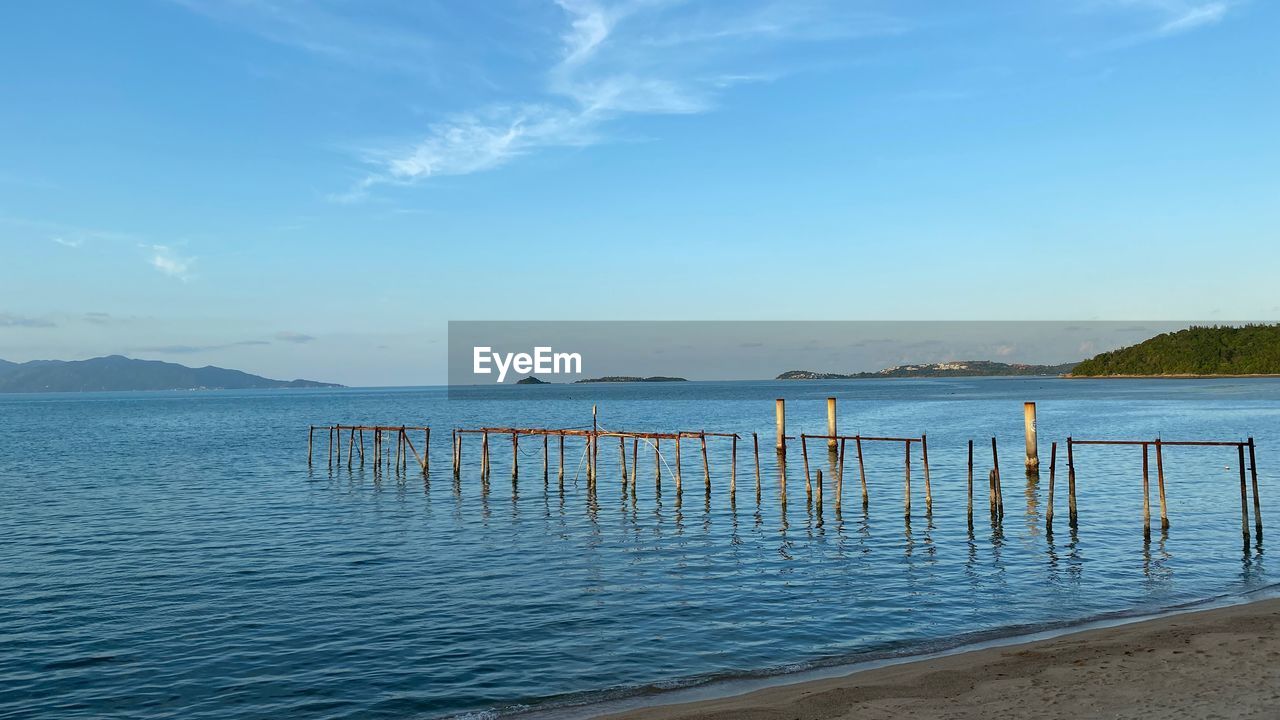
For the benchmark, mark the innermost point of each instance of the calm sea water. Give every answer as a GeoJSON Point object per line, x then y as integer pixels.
{"type": "Point", "coordinates": [172, 555]}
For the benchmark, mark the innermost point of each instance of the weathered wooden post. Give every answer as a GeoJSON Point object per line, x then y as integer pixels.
{"type": "Point", "coordinates": [351, 444]}
{"type": "Point", "coordinates": [780, 417]}
{"type": "Point", "coordinates": [361, 446]}
{"type": "Point", "coordinates": [546, 458]}
{"type": "Point", "coordinates": [1071, 484]}
{"type": "Point", "coordinates": [677, 470]}
{"type": "Point", "coordinates": [831, 425]}
{"type": "Point", "coordinates": [840, 476]}
{"type": "Point", "coordinates": [862, 471]}
{"type": "Point", "coordinates": [426, 451]}
{"type": "Point", "coordinates": [755, 446]}
{"type": "Point", "coordinates": [928, 492]}
{"type": "Point", "coordinates": [330, 447]}
{"type": "Point", "coordinates": [906, 493]}
{"type": "Point", "coordinates": [819, 503]}
{"type": "Point", "coordinates": [733, 468]}
{"type": "Point", "coordinates": [657, 464]}
{"type": "Point", "coordinates": [1146, 495]}
{"type": "Point", "coordinates": [706, 467]}
{"type": "Point", "coordinates": [311, 432]}
{"type": "Point", "coordinates": [1053, 468]}
{"type": "Point", "coordinates": [1029, 423]}
{"type": "Point", "coordinates": [515, 456]}
{"type": "Point", "coordinates": [1244, 493]}
{"type": "Point", "coordinates": [1257, 504]}
{"type": "Point", "coordinates": [560, 472]}
{"type": "Point", "coordinates": [338, 433]}
{"type": "Point", "coordinates": [484, 455]}
{"type": "Point", "coordinates": [1164, 508]}
{"type": "Point", "coordinates": [635, 463]}
{"type": "Point", "coordinates": [622, 456]}
{"type": "Point", "coordinates": [457, 455]}
{"type": "Point", "coordinates": [969, 509]}
{"type": "Point", "coordinates": [808, 482]}
{"type": "Point", "coordinates": [995, 461]}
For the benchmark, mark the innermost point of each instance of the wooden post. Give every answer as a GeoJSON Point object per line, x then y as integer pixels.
{"type": "Point", "coordinates": [330, 447]}
{"type": "Point", "coordinates": [1244, 499]}
{"type": "Point", "coordinates": [311, 432]}
{"type": "Point", "coordinates": [819, 496]}
{"type": "Point", "coordinates": [804, 452]}
{"type": "Point", "coordinates": [361, 446]}
{"type": "Point", "coordinates": [560, 472]}
{"type": "Point", "coordinates": [622, 455]}
{"type": "Point", "coordinates": [706, 467]}
{"type": "Point", "coordinates": [515, 456]}
{"type": "Point", "coordinates": [1029, 423]}
{"type": "Point", "coordinates": [457, 455]}
{"type": "Point", "coordinates": [780, 418]}
{"type": "Point", "coordinates": [969, 509]}
{"type": "Point", "coordinates": [677, 470]}
{"type": "Point", "coordinates": [657, 464]}
{"type": "Point", "coordinates": [351, 444]}
{"type": "Point", "coordinates": [1053, 468]}
{"type": "Point", "coordinates": [377, 457]}
{"type": "Point", "coordinates": [755, 446]}
{"type": "Point", "coordinates": [831, 425]}
{"type": "Point", "coordinates": [593, 448]}
{"type": "Point", "coordinates": [928, 492]}
{"type": "Point", "coordinates": [906, 492]}
{"type": "Point", "coordinates": [426, 451]}
{"type": "Point", "coordinates": [546, 458]}
{"type": "Point", "coordinates": [862, 470]}
{"type": "Point", "coordinates": [840, 476]}
{"type": "Point", "coordinates": [1164, 508]}
{"type": "Point", "coordinates": [1146, 494]}
{"type": "Point", "coordinates": [484, 459]}
{"type": "Point", "coordinates": [733, 468]}
{"type": "Point", "coordinates": [995, 460]}
{"type": "Point", "coordinates": [1257, 504]}
{"type": "Point", "coordinates": [338, 431]}
{"type": "Point", "coordinates": [635, 463]}
{"type": "Point", "coordinates": [1071, 484]}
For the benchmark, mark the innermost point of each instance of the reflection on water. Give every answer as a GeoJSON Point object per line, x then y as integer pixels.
{"type": "Point", "coordinates": [182, 559]}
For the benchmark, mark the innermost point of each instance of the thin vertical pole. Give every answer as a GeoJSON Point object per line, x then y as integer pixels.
{"type": "Point", "coordinates": [969, 509]}
{"type": "Point", "coordinates": [1146, 494]}
{"type": "Point", "coordinates": [657, 463]}
{"type": "Point", "coordinates": [906, 491]}
{"type": "Point", "coordinates": [755, 446]}
{"type": "Point", "coordinates": [426, 451]}
{"type": "Point", "coordinates": [840, 476]}
{"type": "Point", "coordinates": [635, 464]}
{"type": "Point", "coordinates": [338, 431]}
{"type": "Point", "coordinates": [831, 425]}
{"type": "Point", "coordinates": [1244, 499]}
{"type": "Point", "coordinates": [593, 448]}
{"type": "Point", "coordinates": [780, 419]}
{"type": "Point", "coordinates": [819, 504]}
{"type": "Point", "coordinates": [515, 456]}
{"type": "Point", "coordinates": [1029, 423]}
{"type": "Point", "coordinates": [679, 489]}
{"type": "Point", "coordinates": [457, 455]}
{"type": "Point", "coordinates": [622, 455]}
{"type": "Point", "coordinates": [361, 446]}
{"type": "Point", "coordinates": [804, 452]}
{"type": "Point", "coordinates": [560, 472]}
{"type": "Point", "coordinates": [1071, 484]}
{"type": "Point", "coordinates": [862, 470]}
{"type": "Point", "coordinates": [1257, 504]}
{"type": "Point", "coordinates": [546, 458]}
{"type": "Point", "coordinates": [351, 443]}
{"type": "Point", "coordinates": [1164, 507]}
{"type": "Point", "coordinates": [330, 447]}
{"type": "Point", "coordinates": [928, 492]}
{"type": "Point", "coordinates": [706, 467]}
{"type": "Point", "coordinates": [733, 468]}
{"type": "Point", "coordinates": [995, 460]}
{"type": "Point", "coordinates": [311, 432]}
{"type": "Point", "coordinates": [1053, 468]}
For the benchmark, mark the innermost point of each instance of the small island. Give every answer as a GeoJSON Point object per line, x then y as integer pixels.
{"type": "Point", "coordinates": [630, 379]}
{"type": "Point", "coordinates": [954, 368]}
{"type": "Point", "coordinates": [1208, 351]}
{"type": "Point", "coordinates": [531, 380]}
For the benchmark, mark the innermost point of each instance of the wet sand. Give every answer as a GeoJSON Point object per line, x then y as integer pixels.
{"type": "Point", "coordinates": [1219, 663]}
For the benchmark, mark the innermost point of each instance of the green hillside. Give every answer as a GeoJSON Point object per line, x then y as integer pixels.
{"type": "Point", "coordinates": [1248, 350]}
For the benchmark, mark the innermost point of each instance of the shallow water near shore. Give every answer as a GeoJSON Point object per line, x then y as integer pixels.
{"type": "Point", "coordinates": [173, 554]}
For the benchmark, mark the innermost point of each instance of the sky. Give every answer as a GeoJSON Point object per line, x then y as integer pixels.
{"type": "Point", "coordinates": [315, 189]}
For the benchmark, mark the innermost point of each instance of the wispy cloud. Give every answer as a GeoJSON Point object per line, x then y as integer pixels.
{"type": "Point", "coordinates": [67, 242]}
{"type": "Point", "coordinates": [1170, 17]}
{"type": "Point", "coordinates": [617, 59]}
{"type": "Point", "coordinates": [194, 349]}
{"type": "Point", "coordinates": [169, 262]}
{"type": "Point", "coordinates": [1194, 16]}
{"type": "Point", "coordinates": [293, 337]}
{"type": "Point", "coordinates": [23, 321]}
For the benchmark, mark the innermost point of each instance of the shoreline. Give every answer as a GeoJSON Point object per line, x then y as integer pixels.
{"type": "Point", "coordinates": [1197, 662]}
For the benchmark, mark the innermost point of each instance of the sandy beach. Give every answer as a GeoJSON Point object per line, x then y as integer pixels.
{"type": "Point", "coordinates": [1219, 663]}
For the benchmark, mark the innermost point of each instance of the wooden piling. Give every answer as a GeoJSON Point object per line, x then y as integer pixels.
{"type": "Point", "coordinates": [426, 451]}
{"type": "Point", "coordinates": [862, 471]}
{"type": "Point", "coordinates": [484, 456]}
{"type": "Point", "coordinates": [622, 460]}
{"type": "Point", "coordinates": [733, 468]}
{"type": "Point", "coordinates": [1029, 423]}
{"type": "Point", "coordinates": [1164, 507]}
{"type": "Point", "coordinates": [969, 509]}
{"type": "Point", "coordinates": [995, 461]}
{"type": "Point", "coordinates": [1244, 499]}
{"type": "Point", "coordinates": [338, 434]}
{"type": "Point", "coordinates": [1257, 504]}
{"type": "Point", "coordinates": [906, 492]}
{"type": "Point", "coordinates": [657, 464]}
{"type": "Point", "coordinates": [819, 503]}
{"type": "Point", "coordinates": [1053, 468]}
{"type": "Point", "coordinates": [840, 476]}
{"type": "Point", "coordinates": [831, 425]}
{"type": "Point", "coordinates": [351, 442]}
{"type": "Point", "coordinates": [928, 492]}
{"type": "Point", "coordinates": [560, 472]}
{"type": "Point", "coordinates": [361, 446]}
{"type": "Point", "coordinates": [808, 483]}
{"type": "Point", "coordinates": [515, 456]}
{"type": "Point", "coordinates": [546, 459]}
{"type": "Point", "coordinates": [780, 419]}
{"type": "Point", "coordinates": [311, 432]}
{"type": "Point", "coordinates": [1146, 494]}
{"type": "Point", "coordinates": [1071, 484]}
{"type": "Point", "coordinates": [677, 469]}
{"type": "Point", "coordinates": [635, 464]}
{"type": "Point", "coordinates": [755, 447]}
{"type": "Point", "coordinates": [706, 467]}
{"type": "Point", "coordinates": [330, 447]}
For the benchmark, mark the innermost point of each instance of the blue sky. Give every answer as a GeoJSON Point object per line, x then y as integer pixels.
{"type": "Point", "coordinates": [314, 189]}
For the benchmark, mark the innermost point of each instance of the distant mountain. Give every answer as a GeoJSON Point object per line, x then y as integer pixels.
{"type": "Point", "coordinates": [1247, 350]}
{"type": "Point", "coordinates": [630, 379]}
{"type": "Point", "coordinates": [117, 372]}
{"type": "Point", "coordinates": [955, 368]}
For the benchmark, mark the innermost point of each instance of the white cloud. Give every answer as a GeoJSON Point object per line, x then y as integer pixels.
{"type": "Point", "coordinates": [637, 57]}
{"type": "Point", "coordinates": [169, 262]}
{"type": "Point", "coordinates": [67, 242]}
{"type": "Point", "coordinates": [1171, 17]}
{"type": "Point", "coordinates": [1193, 17]}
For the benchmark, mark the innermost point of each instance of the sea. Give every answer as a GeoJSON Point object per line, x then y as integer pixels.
{"type": "Point", "coordinates": [174, 554]}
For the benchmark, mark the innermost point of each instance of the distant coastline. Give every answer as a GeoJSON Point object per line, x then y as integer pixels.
{"type": "Point", "coordinates": [116, 373]}
{"type": "Point", "coordinates": [630, 379]}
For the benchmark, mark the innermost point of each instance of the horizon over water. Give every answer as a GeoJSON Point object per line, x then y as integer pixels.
{"type": "Point", "coordinates": [171, 553]}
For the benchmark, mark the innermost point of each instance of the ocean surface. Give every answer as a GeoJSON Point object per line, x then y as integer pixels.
{"type": "Point", "coordinates": [173, 555]}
